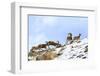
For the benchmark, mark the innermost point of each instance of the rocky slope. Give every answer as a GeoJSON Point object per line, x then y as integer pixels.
{"type": "Point", "coordinates": [74, 50]}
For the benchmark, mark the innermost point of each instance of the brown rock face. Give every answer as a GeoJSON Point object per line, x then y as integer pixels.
{"type": "Point", "coordinates": [49, 55]}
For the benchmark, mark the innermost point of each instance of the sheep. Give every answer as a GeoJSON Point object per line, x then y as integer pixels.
{"type": "Point", "coordinates": [77, 38]}
{"type": "Point", "coordinates": [53, 43]}
{"type": "Point", "coordinates": [69, 38]}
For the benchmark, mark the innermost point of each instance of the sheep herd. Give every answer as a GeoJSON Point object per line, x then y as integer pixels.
{"type": "Point", "coordinates": [46, 52]}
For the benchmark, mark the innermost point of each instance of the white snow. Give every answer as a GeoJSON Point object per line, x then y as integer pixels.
{"type": "Point", "coordinates": [74, 50]}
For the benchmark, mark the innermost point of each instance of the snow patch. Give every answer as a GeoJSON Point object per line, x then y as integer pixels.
{"type": "Point", "coordinates": [74, 50]}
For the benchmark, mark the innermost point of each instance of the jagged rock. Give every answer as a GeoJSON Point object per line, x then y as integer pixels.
{"type": "Point", "coordinates": [76, 50]}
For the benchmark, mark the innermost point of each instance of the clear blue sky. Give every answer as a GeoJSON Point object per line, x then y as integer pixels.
{"type": "Point", "coordinates": [44, 28]}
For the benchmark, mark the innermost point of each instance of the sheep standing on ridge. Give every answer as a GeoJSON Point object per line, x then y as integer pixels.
{"type": "Point", "coordinates": [77, 38]}
{"type": "Point", "coordinates": [69, 38]}
{"type": "Point", "coordinates": [57, 44]}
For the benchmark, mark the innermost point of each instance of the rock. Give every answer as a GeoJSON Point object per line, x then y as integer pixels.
{"type": "Point", "coordinates": [84, 57]}
{"type": "Point", "coordinates": [74, 50]}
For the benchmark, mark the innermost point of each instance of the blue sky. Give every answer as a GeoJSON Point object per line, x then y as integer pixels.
{"type": "Point", "coordinates": [44, 28]}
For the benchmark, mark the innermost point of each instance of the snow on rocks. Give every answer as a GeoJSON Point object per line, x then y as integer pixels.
{"type": "Point", "coordinates": [75, 50]}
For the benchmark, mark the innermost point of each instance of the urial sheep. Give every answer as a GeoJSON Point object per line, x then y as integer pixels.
{"type": "Point", "coordinates": [77, 38]}
{"type": "Point", "coordinates": [57, 44]}
{"type": "Point", "coordinates": [69, 38]}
